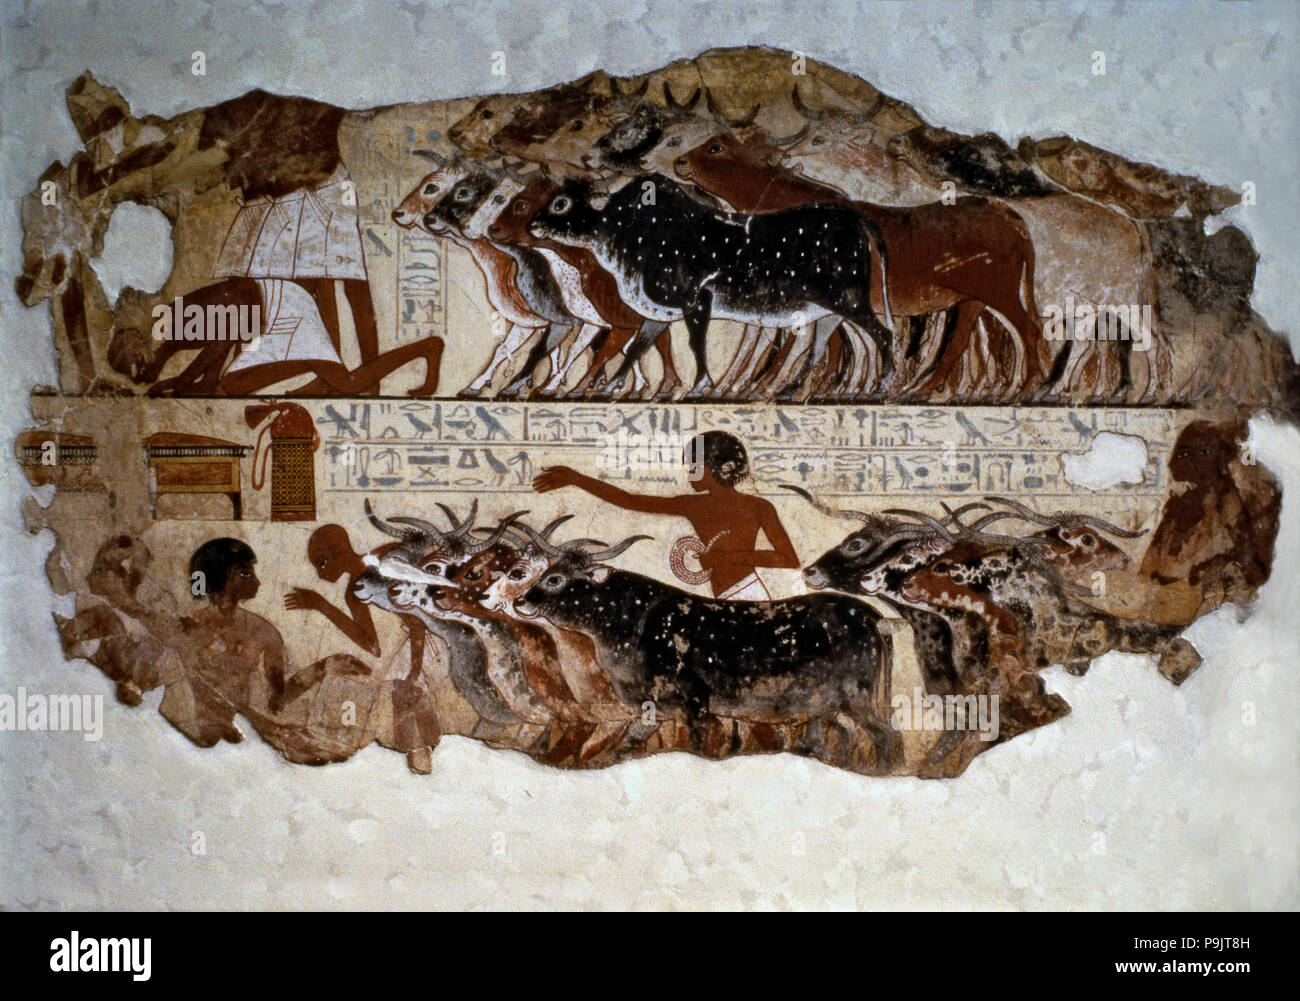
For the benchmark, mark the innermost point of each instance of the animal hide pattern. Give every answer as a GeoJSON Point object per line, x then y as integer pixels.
{"type": "Point", "coordinates": [729, 409]}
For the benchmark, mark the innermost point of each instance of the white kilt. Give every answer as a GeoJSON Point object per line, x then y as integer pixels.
{"type": "Point", "coordinates": [305, 234]}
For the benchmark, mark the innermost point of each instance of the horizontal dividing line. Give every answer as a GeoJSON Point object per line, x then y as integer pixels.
{"type": "Point", "coordinates": [750, 444]}
{"type": "Point", "coordinates": [775, 493]}
{"type": "Point", "coordinates": [879, 405]}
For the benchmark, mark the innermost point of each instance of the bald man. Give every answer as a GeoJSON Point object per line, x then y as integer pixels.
{"type": "Point", "coordinates": [331, 554]}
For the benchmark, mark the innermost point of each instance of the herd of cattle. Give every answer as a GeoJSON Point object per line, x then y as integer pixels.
{"type": "Point", "coordinates": [598, 219]}
{"type": "Point", "coordinates": [547, 633]}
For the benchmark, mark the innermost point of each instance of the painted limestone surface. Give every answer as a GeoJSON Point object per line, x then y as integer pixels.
{"type": "Point", "coordinates": [728, 409]}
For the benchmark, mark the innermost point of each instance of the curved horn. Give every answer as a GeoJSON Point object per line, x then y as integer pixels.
{"type": "Point", "coordinates": [609, 554]}
{"type": "Point", "coordinates": [502, 527]}
{"type": "Point", "coordinates": [551, 526]}
{"type": "Point", "coordinates": [459, 528]}
{"type": "Point", "coordinates": [1105, 526]}
{"type": "Point", "coordinates": [989, 519]}
{"type": "Point", "coordinates": [1029, 514]}
{"type": "Point", "coordinates": [791, 139]}
{"type": "Point", "coordinates": [845, 514]}
{"type": "Point", "coordinates": [429, 154]}
{"type": "Point", "coordinates": [383, 526]}
{"type": "Point", "coordinates": [540, 542]}
{"type": "Point", "coordinates": [955, 516]}
{"type": "Point", "coordinates": [673, 103]}
{"type": "Point", "coordinates": [748, 119]}
{"type": "Point", "coordinates": [524, 541]}
{"type": "Point", "coordinates": [803, 109]}
{"type": "Point", "coordinates": [934, 523]}
{"type": "Point", "coordinates": [627, 96]}
{"type": "Point", "coordinates": [859, 117]}
{"type": "Point", "coordinates": [427, 527]}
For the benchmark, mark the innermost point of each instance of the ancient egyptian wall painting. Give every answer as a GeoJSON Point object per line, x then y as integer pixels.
{"type": "Point", "coordinates": [728, 409]}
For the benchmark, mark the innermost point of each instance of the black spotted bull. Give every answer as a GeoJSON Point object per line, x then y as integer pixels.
{"type": "Point", "coordinates": [817, 655]}
{"type": "Point", "coordinates": [675, 257]}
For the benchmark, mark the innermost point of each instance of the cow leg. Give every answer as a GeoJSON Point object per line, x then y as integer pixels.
{"type": "Point", "coordinates": [72, 305]}
{"type": "Point", "coordinates": [545, 347]}
{"type": "Point", "coordinates": [604, 350]}
{"type": "Point", "coordinates": [670, 380]}
{"type": "Point", "coordinates": [750, 338]}
{"type": "Point", "coordinates": [760, 364]}
{"type": "Point", "coordinates": [564, 358]}
{"type": "Point", "coordinates": [514, 339]}
{"type": "Point", "coordinates": [649, 332]}
{"type": "Point", "coordinates": [790, 348]}
{"type": "Point", "coordinates": [813, 358]}
{"type": "Point", "coordinates": [697, 326]}
{"type": "Point", "coordinates": [951, 353]}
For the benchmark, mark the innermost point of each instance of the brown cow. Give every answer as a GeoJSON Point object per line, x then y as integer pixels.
{"type": "Point", "coordinates": [970, 255]}
{"type": "Point", "coordinates": [599, 286]}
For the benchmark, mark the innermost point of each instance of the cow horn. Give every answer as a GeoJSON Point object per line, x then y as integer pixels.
{"type": "Point", "coordinates": [609, 554]}
{"type": "Point", "coordinates": [791, 139]}
{"type": "Point", "coordinates": [723, 119]}
{"type": "Point", "coordinates": [803, 109]}
{"type": "Point", "coordinates": [459, 528]}
{"type": "Point", "coordinates": [551, 526]}
{"type": "Point", "coordinates": [541, 543]}
{"type": "Point", "coordinates": [427, 527]}
{"type": "Point", "coordinates": [1105, 526]}
{"type": "Point", "coordinates": [384, 526]}
{"type": "Point", "coordinates": [989, 519]}
{"type": "Point", "coordinates": [1025, 512]}
{"type": "Point", "coordinates": [845, 514]}
{"type": "Point", "coordinates": [673, 103]}
{"type": "Point", "coordinates": [955, 516]}
{"type": "Point", "coordinates": [934, 523]}
{"type": "Point", "coordinates": [502, 527]}
{"type": "Point", "coordinates": [626, 96]}
{"type": "Point", "coordinates": [429, 154]}
{"type": "Point", "coordinates": [859, 117]}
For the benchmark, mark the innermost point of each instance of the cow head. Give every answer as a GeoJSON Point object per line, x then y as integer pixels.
{"type": "Point", "coordinates": [571, 215]}
{"type": "Point", "coordinates": [571, 581]}
{"type": "Point", "coordinates": [511, 226]}
{"type": "Point", "coordinates": [635, 137]}
{"type": "Point", "coordinates": [431, 189]}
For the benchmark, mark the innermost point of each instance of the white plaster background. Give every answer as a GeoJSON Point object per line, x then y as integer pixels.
{"type": "Point", "coordinates": [1198, 809]}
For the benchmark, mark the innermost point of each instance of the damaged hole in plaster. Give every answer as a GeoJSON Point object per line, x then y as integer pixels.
{"type": "Point", "coordinates": [137, 251]}
{"type": "Point", "coordinates": [1113, 458]}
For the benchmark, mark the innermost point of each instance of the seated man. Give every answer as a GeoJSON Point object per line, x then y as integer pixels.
{"type": "Point", "coordinates": [130, 633]}
{"type": "Point", "coordinates": [232, 657]}
{"type": "Point", "coordinates": [331, 555]}
{"type": "Point", "coordinates": [292, 342]}
{"type": "Point", "coordinates": [726, 520]}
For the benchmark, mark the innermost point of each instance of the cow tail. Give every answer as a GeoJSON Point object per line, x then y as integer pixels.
{"type": "Point", "coordinates": [878, 244]}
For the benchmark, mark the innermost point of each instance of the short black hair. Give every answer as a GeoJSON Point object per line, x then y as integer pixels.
{"type": "Point", "coordinates": [721, 453]}
{"type": "Point", "coordinates": [215, 559]}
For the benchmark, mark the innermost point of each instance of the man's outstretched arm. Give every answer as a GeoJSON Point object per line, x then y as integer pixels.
{"type": "Point", "coordinates": [555, 477]}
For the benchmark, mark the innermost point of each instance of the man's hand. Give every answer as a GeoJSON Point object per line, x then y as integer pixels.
{"type": "Point", "coordinates": [303, 598]}
{"type": "Point", "coordinates": [555, 477]}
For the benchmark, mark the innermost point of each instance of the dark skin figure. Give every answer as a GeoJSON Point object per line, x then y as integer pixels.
{"type": "Point", "coordinates": [248, 644]}
{"type": "Point", "coordinates": [142, 357]}
{"type": "Point", "coordinates": [712, 509]}
{"type": "Point", "coordinates": [330, 552]}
